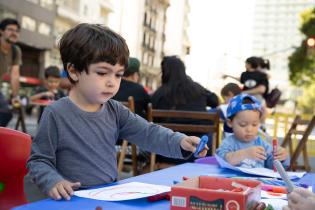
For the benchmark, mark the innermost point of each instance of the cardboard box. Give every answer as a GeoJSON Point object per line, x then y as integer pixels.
{"type": "Point", "coordinates": [214, 193]}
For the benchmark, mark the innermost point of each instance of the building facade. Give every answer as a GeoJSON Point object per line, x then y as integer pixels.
{"type": "Point", "coordinates": [177, 39]}
{"type": "Point", "coordinates": [36, 18]}
{"type": "Point", "coordinates": [72, 12]}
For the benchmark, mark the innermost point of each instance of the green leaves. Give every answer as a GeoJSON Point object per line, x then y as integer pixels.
{"type": "Point", "coordinates": [302, 60]}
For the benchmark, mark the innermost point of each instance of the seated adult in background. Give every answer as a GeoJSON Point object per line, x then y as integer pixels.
{"type": "Point", "coordinates": [180, 92]}
{"type": "Point", "coordinates": [129, 87]}
{"type": "Point", "coordinates": [50, 91]}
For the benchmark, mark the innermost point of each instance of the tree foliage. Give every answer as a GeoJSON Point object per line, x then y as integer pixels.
{"type": "Point", "coordinates": [307, 100]}
{"type": "Point", "coordinates": [302, 60]}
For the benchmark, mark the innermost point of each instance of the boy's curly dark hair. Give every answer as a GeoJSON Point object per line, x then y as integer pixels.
{"type": "Point", "coordinates": [86, 44]}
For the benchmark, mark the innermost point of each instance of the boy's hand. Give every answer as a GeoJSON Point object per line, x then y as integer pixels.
{"type": "Point", "coordinates": [300, 199]}
{"type": "Point", "coordinates": [256, 153]}
{"type": "Point", "coordinates": [281, 154]}
{"type": "Point", "coordinates": [190, 144]}
{"type": "Point", "coordinates": [49, 94]}
{"type": "Point", "coordinates": [63, 189]}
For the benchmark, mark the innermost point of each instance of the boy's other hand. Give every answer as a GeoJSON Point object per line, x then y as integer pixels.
{"type": "Point", "coordinates": [281, 154]}
{"type": "Point", "coordinates": [190, 144]}
{"type": "Point", "coordinates": [49, 94]}
{"type": "Point", "coordinates": [256, 153]}
{"type": "Point", "coordinates": [300, 199]}
{"type": "Point", "coordinates": [63, 189]}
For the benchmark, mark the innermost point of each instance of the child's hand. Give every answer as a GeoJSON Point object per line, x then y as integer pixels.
{"type": "Point", "coordinates": [256, 153]}
{"type": "Point", "coordinates": [63, 189]}
{"type": "Point", "coordinates": [300, 199]}
{"type": "Point", "coordinates": [282, 154]}
{"type": "Point", "coordinates": [49, 94]}
{"type": "Point", "coordinates": [190, 144]}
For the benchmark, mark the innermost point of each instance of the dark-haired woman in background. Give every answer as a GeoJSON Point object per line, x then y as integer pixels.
{"type": "Point", "coordinates": [180, 92]}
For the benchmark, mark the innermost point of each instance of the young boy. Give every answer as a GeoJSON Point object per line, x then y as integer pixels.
{"type": "Point", "coordinates": [75, 144]}
{"type": "Point", "coordinates": [51, 89]}
{"type": "Point", "coordinates": [245, 148]}
{"type": "Point", "coordinates": [227, 92]}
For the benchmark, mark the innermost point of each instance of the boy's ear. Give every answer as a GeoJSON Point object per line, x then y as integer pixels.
{"type": "Point", "coordinates": [72, 72]}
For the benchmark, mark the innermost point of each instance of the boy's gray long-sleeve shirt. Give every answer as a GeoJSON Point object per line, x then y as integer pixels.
{"type": "Point", "coordinates": [79, 146]}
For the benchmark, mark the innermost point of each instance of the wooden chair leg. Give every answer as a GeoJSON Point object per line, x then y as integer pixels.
{"type": "Point", "coordinates": [290, 147]}
{"type": "Point", "coordinates": [152, 162]}
{"type": "Point", "coordinates": [122, 157]}
{"type": "Point", "coordinates": [214, 144]}
{"type": "Point", "coordinates": [306, 160]}
{"type": "Point", "coordinates": [134, 159]}
{"type": "Point", "coordinates": [20, 119]}
{"type": "Point", "coordinates": [23, 119]}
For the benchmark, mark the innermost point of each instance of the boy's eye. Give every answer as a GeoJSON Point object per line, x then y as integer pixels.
{"type": "Point", "coordinates": [119, 75]}
{"type": "Point", "coordinates": [101, 73]}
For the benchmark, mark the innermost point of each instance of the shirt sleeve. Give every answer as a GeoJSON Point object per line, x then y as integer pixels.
{"type": "Point", "coordinates": [243, 77]}
{"type": "Point", "coordinates": [18, 57]}
{"type": "Point", "coordinates": [268, 150]}
{"type": "Point", "coordinates": [42, 162]}
{"type": "Point", "coordinates": [149, 136]}
{"type": "Point", "coordinates": [212, 99]}
{"type": "Point", "coordinates": [225, 147]}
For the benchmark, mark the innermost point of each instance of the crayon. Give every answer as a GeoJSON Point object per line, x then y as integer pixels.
{"type": "Point", "coordinates": [159, 197]}
{"type": "Point", "coordinates": [274, 150]}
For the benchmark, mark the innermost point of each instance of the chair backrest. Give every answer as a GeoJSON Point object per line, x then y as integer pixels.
{"type": "Point", "coordinates": [129, 104]}
{"type": "Point", "coordinates": [15, 148]}
{"type": "Point", "coordinates": [212, 127]}
{"type": "Point", "coordinates": [303, 128]}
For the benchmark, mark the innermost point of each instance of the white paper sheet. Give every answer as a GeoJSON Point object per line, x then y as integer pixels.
{"type": "Point", "coordinates": [272, 195]}
{"type": "Point", "coordinates": [265, 172]}
{"type": "Point", "coordinates": [128, 191]}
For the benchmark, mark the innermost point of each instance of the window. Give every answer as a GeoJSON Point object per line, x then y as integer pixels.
{"type": "Point", "coordinates": [33, 1]}
{"type": "Point", "coordinates": [28, 23]}
{"type": "Point", "coordinates": [48, 4]}
{"type": "Point", "coordinates": [44, 29]}
{"type": "Point", "coordinates": [6, 14]}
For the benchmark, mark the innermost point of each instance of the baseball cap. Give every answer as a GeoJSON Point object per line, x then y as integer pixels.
{"type": "Point", "coordinates": [133, 65]}
{"type": "Point", "coordinates": [236, 104]}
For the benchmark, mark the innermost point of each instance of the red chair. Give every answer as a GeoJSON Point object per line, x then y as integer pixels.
{"type": "Point", "coordinates": [15, 148]}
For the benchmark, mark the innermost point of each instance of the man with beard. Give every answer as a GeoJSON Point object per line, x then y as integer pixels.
{"type": "Point", "coordinates": [10, 61]}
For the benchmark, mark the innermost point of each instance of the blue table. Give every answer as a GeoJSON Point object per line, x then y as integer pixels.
{"type": "Point", "coordinates": [163, 177]}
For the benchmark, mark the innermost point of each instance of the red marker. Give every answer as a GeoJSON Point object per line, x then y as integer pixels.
{"type": "Point", "coordinates": [274, 150]}
{"type": "Point", "coordinates": [159, 197]}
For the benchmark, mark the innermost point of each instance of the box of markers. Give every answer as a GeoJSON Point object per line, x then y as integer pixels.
{"type": "Point", "coordinates": [215, 193]}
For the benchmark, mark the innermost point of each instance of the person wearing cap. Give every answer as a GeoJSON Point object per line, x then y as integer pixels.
{"type": "Point", "coordinates": [245, 148]}
{"type": "Point", "coordinates": [129, 87]}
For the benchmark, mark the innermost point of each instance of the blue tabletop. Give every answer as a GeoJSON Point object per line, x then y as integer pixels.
{"type": "Point", "coordinates": [163, 177]}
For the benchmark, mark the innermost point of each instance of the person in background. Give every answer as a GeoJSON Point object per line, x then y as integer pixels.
{"type": "Point", "coordinates": [180, 92]}
{"type": "Point", "coordinates": [75, 144]}
{"type": "Point", "coordinates": [51, 89]}
{"type": "Point", "coordinates": [65, 82]}
{"type": "Point", "coordinates": [245, 148]}
{"type": "Point", "coordinates": [255, 83]}
{"type": "Point", "coordinates": [10, 62]}
{"type": "Point", "coordinates": [300, 199]}
{"type": "Point", "coordinates": [228, 92]}
{"type": "Point", "coordinates": [129, 87]}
